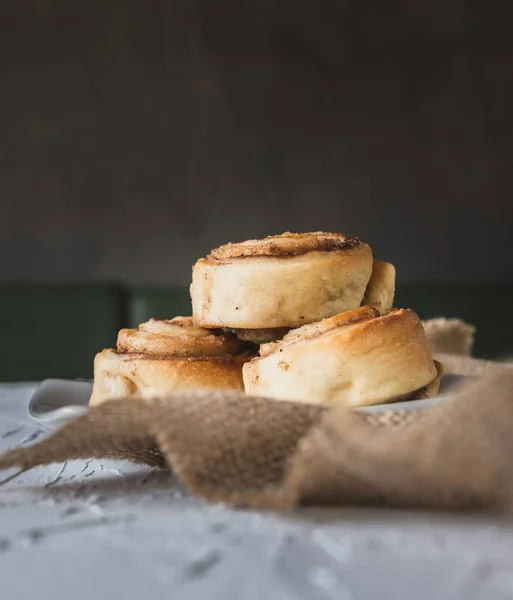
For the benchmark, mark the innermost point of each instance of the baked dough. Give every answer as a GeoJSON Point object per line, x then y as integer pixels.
{"type": "Point", "coordinates": [380, 290]}
{"type": "Point", "coordinates": [163, 356]}
{"type": "Point", "coordinates": [286, 280]}
{"type": "Point", "coordinates": [355, 358]}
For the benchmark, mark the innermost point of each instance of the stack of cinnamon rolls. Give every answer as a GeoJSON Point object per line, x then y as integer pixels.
{"type": "Point", "coordinates": [306, 317]}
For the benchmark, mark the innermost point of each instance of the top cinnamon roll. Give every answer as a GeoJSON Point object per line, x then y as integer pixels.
{"type": "Point", "coordinates": [285, 280]}
{"type": "Point", "coordinates": [163, 356]}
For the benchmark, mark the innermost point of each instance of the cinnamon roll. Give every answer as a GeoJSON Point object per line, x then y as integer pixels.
{"type": "Point", "coordinates": [381, 287]}
{"type": "Point", "coordinates": [355, 358]}
{"type": "Point", "coordinates": [163, 356]}
{"type": "Point", "coordinates": [286, 280]}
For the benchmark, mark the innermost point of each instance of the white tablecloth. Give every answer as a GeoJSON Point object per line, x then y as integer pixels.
{"type": "Point", "coordinates": [106, 530]}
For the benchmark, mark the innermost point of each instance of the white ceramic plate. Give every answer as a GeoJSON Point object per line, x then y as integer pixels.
{"type": "Point", "coordinates": [56, 401]}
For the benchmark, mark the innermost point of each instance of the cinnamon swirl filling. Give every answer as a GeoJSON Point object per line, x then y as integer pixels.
{"type": "Point", "coordinates": [178, 337]}
{"type": "Point", "coordinates": [285, 245]}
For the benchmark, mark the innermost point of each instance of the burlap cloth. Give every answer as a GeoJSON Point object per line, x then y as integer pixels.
{"type": "Point", "coordinates": [268, 454]}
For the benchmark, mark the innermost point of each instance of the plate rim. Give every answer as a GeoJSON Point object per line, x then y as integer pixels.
{"type": "Point", "coordinates": [67, 412]}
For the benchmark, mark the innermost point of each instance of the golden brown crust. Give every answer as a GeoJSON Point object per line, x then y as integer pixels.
{"type": "Point", "coordinates": [357, 358]}
{"type": "Point", "coordinates": [285, 245]}
{"type": "Point", "coordinates": [428, 391]}
{"type": "Point", "coordinates": [312, 330]}
{"type": "Point", "coordinates": [433, 387]}
{"type": "Point", "coordinates": [164, 356]}
{"type": "Point", "coordinates": [380, 290]}
{"type": "Point", "coordinates": [324, 274]}
{"type": "Point", "coordinates": [178, 337]}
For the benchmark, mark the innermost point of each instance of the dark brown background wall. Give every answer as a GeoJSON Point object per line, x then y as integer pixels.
{"type": "Point", "coordinates": [136, 135]}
